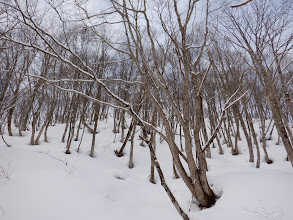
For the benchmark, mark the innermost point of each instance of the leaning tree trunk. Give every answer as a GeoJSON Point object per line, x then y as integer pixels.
{"type": "Point", "coordinates": [120, 152]}
{"type": "Point", "coordinates": [163, 181]}
{"type": "Point", "coordinates": [45, 124]}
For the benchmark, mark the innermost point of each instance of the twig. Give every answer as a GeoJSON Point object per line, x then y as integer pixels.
{"type": "Point", "coordinates": [59, 158]}
{"type": "Point", "coordinates": [189, 209]}
{"type": "Point", "coordinates": [262, 213]}
{"type": "Point", "coordinates": [2, 210]}
{"type": "Point", "coordinates": [5, 173]}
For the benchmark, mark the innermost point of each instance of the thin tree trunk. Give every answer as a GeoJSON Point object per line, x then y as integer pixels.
{"type": "Point", "coordinates": [96, 120]}
{"type": "Point", "coordinates": [120, 152]}
{"type": "Point", "coordinates": [9, 121]}
{"type": "Point", "coordinates": [248, 138]}
{"type": "Point", "coordinates": [65, 131]}
{"type": "Point", "coordinates": [164, 184]}
{"type": "Point", "coordinates": [78, 149]}
{"type": "Point", "coordinates": [251, 127]}
{"type": "Point", "coordinates": [122, 126]}
{"type": "Point", "coordinates": [78, 129]}
{"type": "Point", "coordinates": [153, 143]}
{"type": "Point", "coordinates": [46, 132]}
{"type": "Point", "coordinates": [130, 163]}
{"type": "Point", "coordinates": [263, 141]}
{"type": "Point", "coordinates": [32, 142]}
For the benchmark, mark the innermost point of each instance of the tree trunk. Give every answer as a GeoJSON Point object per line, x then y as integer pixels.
{"type": "Point", "coordinates": [130, 163]}
{"type": "Point", "coordinates": [96, 120]}
{"type": "Point", "coordinates": [9, 121]}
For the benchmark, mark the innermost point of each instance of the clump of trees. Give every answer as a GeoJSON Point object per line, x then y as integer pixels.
{"type": "Point", "coordinates": [178, 75]}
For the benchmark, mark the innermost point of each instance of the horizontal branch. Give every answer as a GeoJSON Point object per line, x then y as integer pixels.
{"type": "Point", "coordinates": [80, 93]}
{"type": "Point", "coordinates": [240, 4]}
{"type": "Point", "coordinates": [129, 109]}
{"type": "Point", "coordinates": [90, 80]}
{"type": "Point", "coordinates": [112, 61]}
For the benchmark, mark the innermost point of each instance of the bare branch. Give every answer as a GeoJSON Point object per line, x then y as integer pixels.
{"type": "Point", "coordinates": [64, 161]}
{"type": "Point", "coordinates": [222, 118]}
{"type": "Point", "coordinates": [89, 80]}
{"type": "Point", "coordinates": [240, 4]}
{"type": "Point", "coordinates": [5, 172]}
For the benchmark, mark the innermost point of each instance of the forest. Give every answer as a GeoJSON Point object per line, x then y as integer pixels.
{"type": "Point", "coordinates": [188, 100]}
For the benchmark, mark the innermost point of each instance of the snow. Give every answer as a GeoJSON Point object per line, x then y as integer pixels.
{"type": "Point", "coordinates": [43, 187]}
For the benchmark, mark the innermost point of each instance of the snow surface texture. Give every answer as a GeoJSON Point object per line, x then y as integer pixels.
{"type": "Point", "coordinates": [43, 187]}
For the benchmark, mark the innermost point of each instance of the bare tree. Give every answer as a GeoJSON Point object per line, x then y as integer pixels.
{"type": "Point", "coordinates": [261, 31]}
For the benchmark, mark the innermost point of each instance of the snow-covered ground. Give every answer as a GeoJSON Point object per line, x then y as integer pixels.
{"type": "Point", "coordinates": [43, 187]}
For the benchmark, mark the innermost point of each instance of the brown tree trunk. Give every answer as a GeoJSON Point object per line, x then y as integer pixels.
{"type": "Point", "coordinates": [64, 133]}
{"type": "Point", "coordinates": [9, 121]}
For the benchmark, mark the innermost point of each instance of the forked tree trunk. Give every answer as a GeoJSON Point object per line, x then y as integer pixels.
{"type": "Point", "coordinates": [45, 124]}
{"type": "Point", "coordinates": [251, 127]}
{"type": "Point", "coordinates": [41, 131]}
{"type": "Point", "coordinates": [264, 141]}
{"type": "Point", "coordinates": [248, 138]}
{"type": "Point", "coordinates": [120, 152]}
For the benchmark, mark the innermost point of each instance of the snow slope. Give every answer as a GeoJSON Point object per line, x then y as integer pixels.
{"type": "Point", "coordinates": [43, 187]}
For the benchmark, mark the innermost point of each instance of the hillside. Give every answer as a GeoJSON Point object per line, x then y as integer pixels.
{"type": "Point", "coordinates": [45, 183]}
